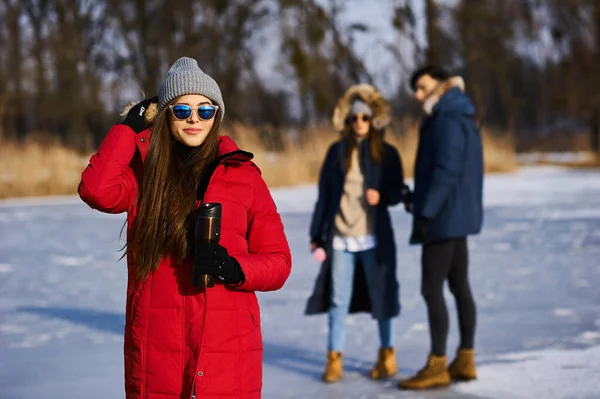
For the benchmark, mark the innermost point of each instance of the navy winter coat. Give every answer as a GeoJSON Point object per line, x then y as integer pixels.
{"type": "Point", "coordinates": [449, 170]}
{"type": "Point", "coordinates": [390, 183]}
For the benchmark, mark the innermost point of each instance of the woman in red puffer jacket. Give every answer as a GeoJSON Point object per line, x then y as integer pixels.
{"type": "Point", "coordinates": [180, 339]}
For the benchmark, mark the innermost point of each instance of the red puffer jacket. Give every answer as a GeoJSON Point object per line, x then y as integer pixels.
{"type": "Point", "coordinates": [178, 338]}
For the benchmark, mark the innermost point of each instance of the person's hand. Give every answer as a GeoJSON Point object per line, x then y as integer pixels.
{"type": "Point", "coordinates": [407, 199]}
{"type": "Point", "coordinates": [213, 259]}
{"type": "Point", "coordinates": [420, 232]}
{"type": "Point", "coordinates": [136, 117]}
{"type": "Point", "coordinates": [315, 243]}
{"type": "Point", "coordinates": [373, 196]}
{"type": "Point", "coordinates": [317, 249]}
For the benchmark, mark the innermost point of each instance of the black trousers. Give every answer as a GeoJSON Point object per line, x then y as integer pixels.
{"type": "Point", "coordinates": [447, 260]}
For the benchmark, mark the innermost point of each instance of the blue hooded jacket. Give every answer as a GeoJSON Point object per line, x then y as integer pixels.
{"type": "Point", "coordinates": [449, 170]}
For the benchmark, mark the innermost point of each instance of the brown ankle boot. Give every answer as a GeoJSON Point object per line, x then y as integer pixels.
{"type": "Point", "coordinates": [386, 365]}
{"type": "Point", "coordinates": [463, 366]}
{"type": "Point", "coordinates": [335, 368]}
{"type": "Point", "coordinates": [433, 375]}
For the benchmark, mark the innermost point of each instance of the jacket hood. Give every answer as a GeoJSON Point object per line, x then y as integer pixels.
{"type": "Point", "coordinates": [450, 96]}
{"type": "Point", "coordinates": [227, 145]}
{"type": "Point", "coordinates": [370, 95]}
{"type": "Point", "coordinates": [229, 150]}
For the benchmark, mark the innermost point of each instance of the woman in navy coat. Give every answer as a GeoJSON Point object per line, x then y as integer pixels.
{"type": "Point", "coordinates": [360, 178]}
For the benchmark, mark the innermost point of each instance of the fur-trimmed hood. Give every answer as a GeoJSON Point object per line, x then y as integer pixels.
{"type": "Point", "coordinates": [149, 116]}
{"type": "Point", "coordinates": [370, 95]}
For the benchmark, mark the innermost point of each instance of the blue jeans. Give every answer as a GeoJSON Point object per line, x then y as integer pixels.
{"type": "Point", "coordinates": [343, 266]}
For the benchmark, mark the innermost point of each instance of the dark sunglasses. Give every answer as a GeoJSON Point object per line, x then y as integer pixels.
{"type": "Point", "coordinates": [365, 118]}
{"type": "Point", "coordinates": [205, 112]}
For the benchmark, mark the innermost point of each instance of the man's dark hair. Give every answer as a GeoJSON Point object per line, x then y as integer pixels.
{"type": "Point", "coordinates": [436, 72]}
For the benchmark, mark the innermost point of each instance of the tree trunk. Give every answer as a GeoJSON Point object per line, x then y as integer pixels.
{"type": "Point", "coordinates": [433, 35]}
{"type": "Point", "coordinates": [16, 125]}
{"type": "Point", "coordinates": [37, 13]}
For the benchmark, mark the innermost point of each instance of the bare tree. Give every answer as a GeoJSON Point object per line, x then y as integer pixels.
{"type": "Point", "coordinates": [65, 64]}
{"type": "Point", "coordinates": [13, 99]}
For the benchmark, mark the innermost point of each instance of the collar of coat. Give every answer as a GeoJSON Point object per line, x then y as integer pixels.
{"type": "Point", "coordinates": [229, 152]}
{"type": "Point", "coordinates": [441, 89]}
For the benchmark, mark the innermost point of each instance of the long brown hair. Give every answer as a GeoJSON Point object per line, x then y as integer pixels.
{"type": "Point", "coordinates": [375, 144]}
{"type": "Point", "coordinates": [167, 196]}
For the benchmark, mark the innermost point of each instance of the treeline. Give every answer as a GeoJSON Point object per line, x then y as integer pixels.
{"type": "Point", "coordinates": [68, 66]}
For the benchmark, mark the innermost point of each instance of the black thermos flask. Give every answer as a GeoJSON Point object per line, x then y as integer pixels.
{"type": "Point", "coordinates": [207, 228]}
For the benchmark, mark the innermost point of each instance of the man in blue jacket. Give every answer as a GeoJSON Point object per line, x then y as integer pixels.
{"type": "Point", "coordinates": [447, 208]}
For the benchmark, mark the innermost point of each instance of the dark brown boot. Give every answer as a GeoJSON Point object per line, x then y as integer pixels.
{"type": "Point", "coordinates": [433, 375]}
{"type": "Point", "coordinates": [386, 365]}
{"type": "Point", "coordinates": [463, 367]}
{"type": "Point", "coordinates": [334, 368]}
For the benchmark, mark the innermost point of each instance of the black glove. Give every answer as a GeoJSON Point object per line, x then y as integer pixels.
{"type": "Point", "coordinates": [407, 199]}
{"type": "Point", "coordinates": [136, 117]}
{"type": "Point", "coordinates": [420, 232]}
{"type": "Point", "coordinates": [213, 259]}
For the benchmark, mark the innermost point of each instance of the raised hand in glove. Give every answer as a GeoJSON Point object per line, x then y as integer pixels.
{"type": "Point", "coordinates": [213, 259]}
{"type": "Point", "coordinates": [136, 117]}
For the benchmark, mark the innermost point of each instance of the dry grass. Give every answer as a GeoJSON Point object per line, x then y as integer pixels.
{"type": "Point", "coordinates": [299, 165]}
{"type": "Point", "coordinates": [592, 161]}
{"type": "Point", "coordinates": [573, 150]}
{"type": "Point", "coordinates": [577, 160]}
{"type": "Point", "coordinates": [556, 142]}
{"type": "Point", "coordinates": [498, 153]}
{"type": "Point", "coordinates": [36, 169]}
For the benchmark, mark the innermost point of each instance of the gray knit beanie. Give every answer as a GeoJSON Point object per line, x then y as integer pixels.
{"type": "Point", "coordinates": [360, 107]}
{"type": "Point", "coordinates": [186, 77]}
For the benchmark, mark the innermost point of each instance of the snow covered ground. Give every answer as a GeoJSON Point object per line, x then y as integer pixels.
{"type": "Point", "coordinates": [535, 274]}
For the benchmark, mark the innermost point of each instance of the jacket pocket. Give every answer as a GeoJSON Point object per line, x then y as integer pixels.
{"type": "Point", "coordinates": [246, 322]}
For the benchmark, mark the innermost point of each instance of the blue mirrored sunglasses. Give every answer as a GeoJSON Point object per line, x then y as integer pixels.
{"type": "Point", "coordinates": [205, 112]}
